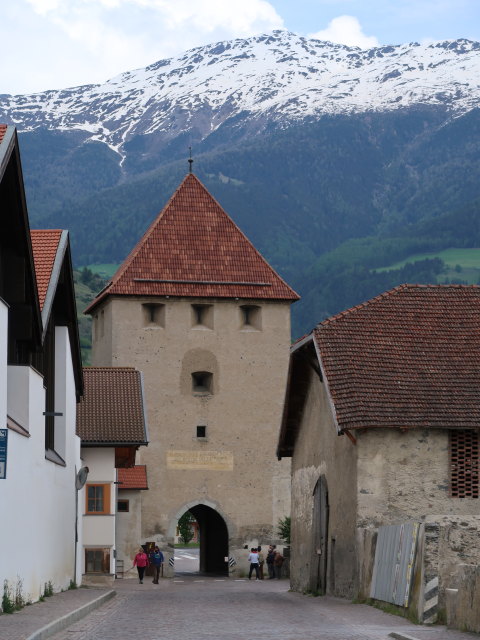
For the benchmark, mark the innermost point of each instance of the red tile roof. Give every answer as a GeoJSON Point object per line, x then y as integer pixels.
{"type": "Point", "coordinates": [133, 477]}
{"type": "Point", "coordinates": [3, 131]}
{"type": "Point", "coordinates": [112, 408]}
{"type": "Point", "coordinates": [44, 246]}
{"type": "Point", "coordinates": [408, 358]}
{"type": "Point", "coordinates": [194, 249]}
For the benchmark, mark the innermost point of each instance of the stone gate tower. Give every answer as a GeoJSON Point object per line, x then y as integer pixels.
{"type": "Point", "coordinates": [207, 320]}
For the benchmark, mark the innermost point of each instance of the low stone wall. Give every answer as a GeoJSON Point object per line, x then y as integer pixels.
{"type": "Point", "coordinates": [446, 577]}
{"type": "Point", "coordinates": [461, 602]}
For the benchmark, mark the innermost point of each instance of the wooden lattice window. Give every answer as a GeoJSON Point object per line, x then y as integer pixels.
{"type": "Point", "coordinates": [464, 464]}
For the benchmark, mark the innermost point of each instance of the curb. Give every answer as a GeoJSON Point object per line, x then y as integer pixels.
{"type": "Point", "coordinates": [68, 619]}
{"type": "Point", "coordinates": [400, 636]}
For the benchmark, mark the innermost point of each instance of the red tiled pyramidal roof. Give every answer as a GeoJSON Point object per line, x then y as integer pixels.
{"type": "Point", "coordinates": [194, 249]}
{"type": "Point", "coordinates": [112, 407]}
{"type": "Point", "coordinates": [133, 477]}
{"type": "Point", "coordinates": [44, 246]}
{"type": "Point", "coordinates": [408, 358]}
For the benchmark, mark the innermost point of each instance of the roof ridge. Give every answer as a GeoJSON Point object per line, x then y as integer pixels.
{"type": "Point", "coordinates": [388, 294]}
{"type": "Point", "coordinates": [194, 248]}
{"type": "Point", "coordinates": [108, 368]}
{"type": "Point", "coordinates": [133, 253]}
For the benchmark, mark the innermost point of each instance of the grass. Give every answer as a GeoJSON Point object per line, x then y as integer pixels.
{"type": "Point", "coordinates": [462, 265]}
{"type": "Point", "coordinates": [106, 270]}
{"type": "Point", "coordinates": [466, 258]}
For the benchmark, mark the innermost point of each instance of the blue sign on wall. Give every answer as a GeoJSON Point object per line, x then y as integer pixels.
{"type": "Point", "coordinates": [3, 453]}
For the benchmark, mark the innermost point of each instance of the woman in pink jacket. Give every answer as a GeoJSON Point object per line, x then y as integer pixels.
{"type": "Point", "coordinates": [141, 562]}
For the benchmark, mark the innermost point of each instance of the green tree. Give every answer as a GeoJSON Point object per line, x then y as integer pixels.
{"type": "Point", "coordinates": [284, 526]}
{"type": "Point", "coordinates": [185, 527]}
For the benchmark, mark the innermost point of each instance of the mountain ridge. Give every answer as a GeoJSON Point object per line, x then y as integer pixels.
{"type": "Point", "coordinates": [277, 77]}
{"type": "Point", "coordinates": [329, 184]}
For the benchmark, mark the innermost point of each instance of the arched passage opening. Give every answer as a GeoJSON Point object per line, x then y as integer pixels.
{"type": "Point", "coordinates": [213, 535]}
{"type": "Point", "coordinates": [213, 539]}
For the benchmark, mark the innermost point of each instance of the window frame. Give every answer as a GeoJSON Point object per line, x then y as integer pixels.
{"type": "Point", "coordinates": [202, 383]}
{"type": "Point", "coordinates": [126, 502]}
{"type": "Point", "coordinates": [106, 499]}
{"type": "Point", "coordinates": [105, 560]}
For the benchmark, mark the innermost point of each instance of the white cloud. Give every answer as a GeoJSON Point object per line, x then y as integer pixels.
{"type": "Point", "coordinates": [88, 41]}
{"type": "Point", "coordinates": [346, 30]}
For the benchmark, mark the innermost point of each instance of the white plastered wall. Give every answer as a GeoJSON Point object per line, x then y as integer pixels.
{"type": "Point", "coordinates": [37, 497]}
{"type": "Point", "coordinates": [99, 530]}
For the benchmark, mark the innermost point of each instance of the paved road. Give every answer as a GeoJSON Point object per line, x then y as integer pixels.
{"type": "Point", "coordinates": [187, 560]}
{"type": "Point", "coordinates": [201, 608]}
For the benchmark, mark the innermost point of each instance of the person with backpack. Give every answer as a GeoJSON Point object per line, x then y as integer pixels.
{"type": "Point", "coordinates": [156, 560]}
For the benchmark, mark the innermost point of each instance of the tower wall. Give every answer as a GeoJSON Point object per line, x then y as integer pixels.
{"type": "Point", "coordinates": [244, 347]}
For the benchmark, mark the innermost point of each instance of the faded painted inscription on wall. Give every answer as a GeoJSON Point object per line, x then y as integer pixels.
{"type": "Point", "coordinates": [210, 460]}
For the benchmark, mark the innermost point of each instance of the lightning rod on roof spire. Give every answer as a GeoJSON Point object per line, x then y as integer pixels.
{"type": "Point", "coordinates": [190, 161]}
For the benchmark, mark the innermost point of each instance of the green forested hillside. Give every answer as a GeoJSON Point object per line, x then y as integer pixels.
{"type": "Point", "coordinates": [328, 202]}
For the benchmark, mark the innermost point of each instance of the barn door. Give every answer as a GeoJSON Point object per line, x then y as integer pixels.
{"type": "Point", "coordinates": [320, 537]}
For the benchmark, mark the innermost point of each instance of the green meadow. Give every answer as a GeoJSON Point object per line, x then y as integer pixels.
{"type": "Point", "coordinates": [461, 264]}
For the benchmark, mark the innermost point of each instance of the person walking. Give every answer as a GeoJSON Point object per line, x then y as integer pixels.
{"type": "Point", "coordinates": [141, 562]}
{"type": "Point", "coordinates": [156, 559]}
{"type": "Point", "coordinates": [270, 560]}
{"type": "Point", "coordinates": [261, 562]}
{"type": "Point", "coordinates": [277, 564]}
{"type": "Point", "coordinates": [253, 559]}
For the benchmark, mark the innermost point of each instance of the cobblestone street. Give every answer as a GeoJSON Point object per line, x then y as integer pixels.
{"type": "Point", "coordinates": [200, 608]}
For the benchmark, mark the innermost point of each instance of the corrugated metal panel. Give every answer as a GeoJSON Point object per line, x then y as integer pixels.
{"type": "Point", "coordinates": [393, 567]}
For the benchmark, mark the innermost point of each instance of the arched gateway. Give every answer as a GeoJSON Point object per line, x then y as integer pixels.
{"type": "Point", "coordinates": [213, 533]}
{"type": "Point", "coordinates": [198, 310]}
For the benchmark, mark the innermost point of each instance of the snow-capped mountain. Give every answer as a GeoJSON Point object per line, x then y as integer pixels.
{"type": "Point", "coordinates": [278, 77]}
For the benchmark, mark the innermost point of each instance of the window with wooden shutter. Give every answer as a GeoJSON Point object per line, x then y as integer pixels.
{"type": "Point", "coordinates": [464, 464]}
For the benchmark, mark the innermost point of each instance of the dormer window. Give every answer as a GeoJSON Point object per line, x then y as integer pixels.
{"type": "Point", "coordinates": [202, 382]}
{"type": "Point", "coordinates": [251, 317]}
{"type": "Point", "coordinates": [153, 314]}
{"type": "Point", "coordinates": [202, 316]}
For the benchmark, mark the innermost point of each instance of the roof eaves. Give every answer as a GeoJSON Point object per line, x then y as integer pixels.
{"type": "Point", "coordinates": [54, 278]}
{"type": "Point", "coordinates": [327, 386]}
{"type": "Point", "coordinates": [113, 443]}
{"type": "Point", "coordinates": [144, 409]}
{"type": "Point", "coordinates": [6, 147]}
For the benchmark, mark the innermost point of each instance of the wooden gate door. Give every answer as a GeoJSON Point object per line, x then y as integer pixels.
{"type": "Point", "coordinates": [320, 537]}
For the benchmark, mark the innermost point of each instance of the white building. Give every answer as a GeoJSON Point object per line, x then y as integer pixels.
{"type": "Point", "coordinates": [40, 383]}
{"type": "Point", "coordinates": [111, 423]}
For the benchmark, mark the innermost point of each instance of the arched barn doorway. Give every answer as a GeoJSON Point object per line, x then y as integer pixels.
{"type": "Point", "coordinates": [318, 576]}
{"type": "Point", "coordinates": [213, 534]}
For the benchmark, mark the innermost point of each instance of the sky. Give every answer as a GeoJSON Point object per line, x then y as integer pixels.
{"type": "Point", "coordinates": [55, 44]}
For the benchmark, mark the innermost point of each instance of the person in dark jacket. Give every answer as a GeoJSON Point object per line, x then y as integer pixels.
{"type": "Point", "coordinates": [270, 559]}
{"type": "Point", "coordinates": [156, 560]}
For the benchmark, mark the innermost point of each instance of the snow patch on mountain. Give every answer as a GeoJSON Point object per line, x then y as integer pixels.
{"type": "Point", "coordinates": [280, 76]}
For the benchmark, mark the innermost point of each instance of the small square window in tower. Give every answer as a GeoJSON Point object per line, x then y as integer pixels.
{"type": "Point", "coordinates": [202, 316]}
{"type": "Point", "coordinates": [464, 463]}
{"type": "Point", "coordinates": [202, 382]}
{"type": "Point", "coordinates": [201, 431]}
{"type": "Point", "coordinates": [153, 315]}
{"type": "Point", "coordinates": [251, 317]}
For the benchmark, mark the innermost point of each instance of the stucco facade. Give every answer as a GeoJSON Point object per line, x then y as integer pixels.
{"type": "Point", "coordinates": [232, 468]}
